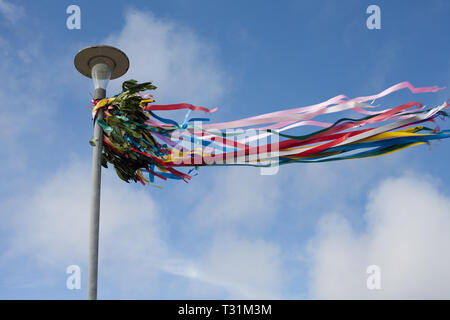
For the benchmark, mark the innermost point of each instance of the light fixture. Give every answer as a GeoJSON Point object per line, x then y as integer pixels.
{"type": "Point", "coordinates": [101, 63]}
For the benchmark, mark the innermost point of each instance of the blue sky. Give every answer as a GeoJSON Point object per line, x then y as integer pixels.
{"type": "Point", "coordinates": [307, 232]}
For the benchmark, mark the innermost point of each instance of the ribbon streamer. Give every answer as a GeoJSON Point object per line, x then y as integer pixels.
{"type": "Point", "coordinates": [137, 140]}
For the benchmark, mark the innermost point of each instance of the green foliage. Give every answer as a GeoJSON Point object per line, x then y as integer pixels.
{"type": "Point", "coordinates": [124, 125]}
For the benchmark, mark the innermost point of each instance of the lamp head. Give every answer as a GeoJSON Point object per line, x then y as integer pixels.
{"type": "Point", "coordinates": [101, 63]}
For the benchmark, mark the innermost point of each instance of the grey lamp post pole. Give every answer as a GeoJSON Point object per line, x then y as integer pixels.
{"type": "Point", "coordinates": [101, 63]}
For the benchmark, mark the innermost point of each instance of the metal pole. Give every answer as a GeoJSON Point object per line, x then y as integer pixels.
{"type": "Point", "coordinates": [95, 203]}
{"type": "Point", "coordinates": [85, 61]}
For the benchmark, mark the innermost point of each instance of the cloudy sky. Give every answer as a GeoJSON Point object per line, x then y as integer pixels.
{"type": "Point", "coordinates": [308, 232]}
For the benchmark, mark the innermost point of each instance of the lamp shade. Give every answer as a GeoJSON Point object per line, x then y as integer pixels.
{"type": "Point", "coordinates": [101, 69]}
{"type": "Point", "coordinates": [101, 63]}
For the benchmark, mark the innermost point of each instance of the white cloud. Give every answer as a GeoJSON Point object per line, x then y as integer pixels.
{"type": "Point", "coordinates": [29, 96]}
{"type": "Point", "coordinates": [174, 58]}
{"type": "Point", "coordinates": [10, 12]}
{"type": "Point", "coordinates": [240, 196]}
{"type": "Point", "coordinates": [245, 269]}
{"type": "Point", "coordinates": [408, 219]}
{"type": "Point", "coordinates": [50, 227]}
{"type": "Point", "coordinates": [239, 267]}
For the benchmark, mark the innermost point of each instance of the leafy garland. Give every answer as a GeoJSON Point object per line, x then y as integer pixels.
{"type": "Point", "coordinates": [127, 143]}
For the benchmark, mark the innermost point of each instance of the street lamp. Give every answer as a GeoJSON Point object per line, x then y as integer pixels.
{"type": "Point", "coordinates": [101, 63]}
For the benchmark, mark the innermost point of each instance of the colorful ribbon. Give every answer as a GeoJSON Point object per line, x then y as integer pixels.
{"type": "Point", "coordinates": [137, 140]}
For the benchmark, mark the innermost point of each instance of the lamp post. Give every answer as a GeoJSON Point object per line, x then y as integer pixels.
{"type": "Point", "coordinates": [101, 63]}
